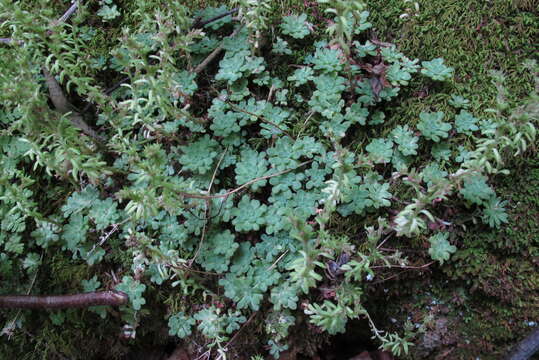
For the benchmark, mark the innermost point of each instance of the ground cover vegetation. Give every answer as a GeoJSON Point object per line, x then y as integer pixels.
{"type": "Point", "coordinates": [254, 182]}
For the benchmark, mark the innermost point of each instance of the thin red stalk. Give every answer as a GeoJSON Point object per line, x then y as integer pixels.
{"type": "Point", "coordinates": [110, 298]}
{"type": "Point", "coordinates": [199, 24]}
{"type": "Point", "coordinates": [403, 266]}
{"type": "Point", "coordinates": [219, 196]}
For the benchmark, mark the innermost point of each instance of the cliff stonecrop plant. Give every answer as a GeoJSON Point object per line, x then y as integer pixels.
{"type": "Point", "coordinates": [227, 163]}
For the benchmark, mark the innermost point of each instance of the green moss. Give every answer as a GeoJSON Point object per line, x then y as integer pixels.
{"type": "Point", "coordinates": [64, 273]}
{"type": "Point", "coordinates": [492, 295]}
{"type": "Point", "coordinates": [473, 37]}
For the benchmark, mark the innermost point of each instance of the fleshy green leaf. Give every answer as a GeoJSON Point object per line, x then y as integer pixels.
{"type": "Point", "coordinates": [31, 262]}
{"type": "Point", "coordinates": [199, 155]}
{"type": "Point", "coordinates": [233, 320]}
{"type": "Point", "coordinates": [432, 174]}
{"type": "Point", "coordinates": [380, 150]}
{"type": "Point", "coordinates": [436, 69]}
{"type": "Point", "coordinates": [377, 118]}
{"type": "Point", "coordinates": [295, 26]}
{"type": "Point", "coordinates": [104, 213]}
{"type": "Point", "coordinates": [441, 151]}
{"type": "Point", "coordinates": [251, 165]}
{"type": "Point", "coordinates": [241, 289]}
{"type": "Point", "coordinates": [134, 289]}
{"type": "Point", "coordinates": [80, 200]}
{"type": "Point", "coordinates": [230, 66]}
{"type": "Point", "coordinates": [210, 322]}
{"type": "Point", "coordinates": [327, 60]}
{"type": "Point", "coordinates": [75, 231]}
{"type": "Point", "coordinates": [397, 75]}
{"type": "Point", "coordinates": [356, 114]}
{"type": "Point", "coordinates": [466, 123]}
{"type": "Point", "coordinates": [327, 99]}
{"type": "Point", "coordinates": [356, 201]}
{"type": "Point", "coordinates": [180, 325]}
{"type": "Point", "coordinates": [248, 215]}
{"type": "Point", "coordinates": [432, 127]}
{"type": "Point", "coordinates": [14, 245]}
{"type": "Point", "coordinates": [91, 285]}
{"type": "Point", "coordinates": [217, 250]}
{"type": "Point", "coordinates": [280, 47]}
{"type": "Point", "coordinates": [275, 349]}
{"type": "Point", "coordinates": [280, 155]}
{"type": "Point", "coordinates": [405, 139]}
{"type": "Point", "coordinates": [494, 213]}
{"type": "Point", "coordinates": [476, 190]}
{"type": "Point", "coordinates": [458, 101]}
{"type": "Point", "coordinates": [284, 296]}
{"type": "Point", "coordinates": [108, 12]}
{"type": "Point", "coordinates": [379, 194]}
{"type": "Point", "coordinates": [301, 76]}
{"type": "Point", "coordinates": [488, 127]}
{"type": "Point", "coordinates": [45, 234]}
{"type": "Point", "coordinates": [366, 49]}
{"type": "Point", "coordinates": [463, 155]}
{"type": "Point", "coordinates": [225, 123]}
{"type": "Point", "coordinates": [440, 249]}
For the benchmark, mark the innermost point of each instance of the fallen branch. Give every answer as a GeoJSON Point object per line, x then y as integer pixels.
{"type": "Point", "coordinates": [199, 24]}
{"type": "Point", "coordinates": [62, 105]}
{"type": "Point", "coordinates": [72, 9]}
{"type": "Point", "coordinates": [526, 348]}
{"type": "Point", "coordinates": [10, 40]}
{"type": "Point", "coordinates": [214, 53]}
{"type": "Point", "coordinates": [107, 92]}
{"type": "Point", "coordinates": [68, 13]}
{"type": "Point", "coordinates": [57, 96]}
{"type": "Point", "coordinates": [98, 298]}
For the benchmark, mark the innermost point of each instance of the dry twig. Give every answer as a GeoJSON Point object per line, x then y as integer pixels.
{"type": "Point", "coordinates": [215, 52]}
{"type": "Point", "coordinates": [110, 298]}
{"type": "Point", "coordinates": [219, 196]}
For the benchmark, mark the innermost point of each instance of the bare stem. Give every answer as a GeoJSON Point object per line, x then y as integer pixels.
{"type": "Point", "coordinates": [214, 53]}
{"type": "Point", "coordinates": [261, 118]}
{"type": "Point", "coordinates": [403, 266]}
{"type": "Point", "coordinates": [68, 13]}
{"type": "Point", "coordinates": [199, 24]}
{"type": "Point", "coordinates": [219, 196]}
{"type": "Point", "coordinates": [110, 298]}
{"type": "Point", "coordinates": [207, 215]}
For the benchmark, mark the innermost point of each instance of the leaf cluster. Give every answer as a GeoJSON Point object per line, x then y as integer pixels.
{"type": "Point", "coordinates": [226, 183]}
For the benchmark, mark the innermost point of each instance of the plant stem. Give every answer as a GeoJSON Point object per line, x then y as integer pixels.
{"type": "Point", "coordinates": [110, 298]}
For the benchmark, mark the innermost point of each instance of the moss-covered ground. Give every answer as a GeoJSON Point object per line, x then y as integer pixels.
{"type": "Point", "coordinates": [489, 291]}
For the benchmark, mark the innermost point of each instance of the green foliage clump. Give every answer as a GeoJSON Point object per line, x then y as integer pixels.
{"type": "Point", "coordinates": [436, 69]}
{"type": "Point", "coordinates": [223, 181]}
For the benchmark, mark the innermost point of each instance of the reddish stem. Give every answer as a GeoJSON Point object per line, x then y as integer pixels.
{"type": "Point", "coordinates": [403, 266]}
{"type": "Point", "coordinates": [110, 298]}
